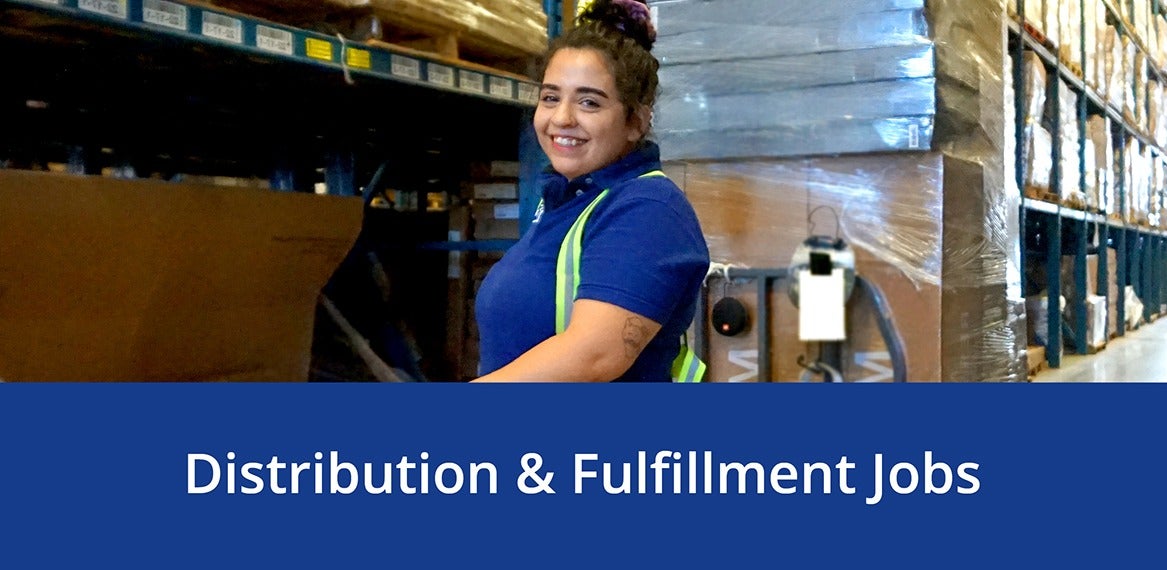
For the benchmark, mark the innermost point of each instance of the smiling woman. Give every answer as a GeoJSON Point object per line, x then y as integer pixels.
{"type": "Point", "coordinates": [605, 282]}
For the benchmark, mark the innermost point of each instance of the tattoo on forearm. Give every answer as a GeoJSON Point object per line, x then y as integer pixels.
{"type": "Point", "coordinates": [635, 336]}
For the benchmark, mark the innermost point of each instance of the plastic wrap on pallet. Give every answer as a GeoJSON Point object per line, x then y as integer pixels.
{"type": "Point", "coordinates": [502, 27]}
{"type": "Point", "coordinates": [1139, 86]}
{"type": "Point", "coordinates": [1112, 54]}
{"type": "Point", "coordinates": [1155, 111]}
{"type": "Point", "coordinates": [352, 19]}
{"type": "Point", "coordinates": [1050, 20]}
{"type": "Point", "coordinates": [1039, 159]}
{"type": "Point", "coordinates": [1128, 78]}
{"type": "Point", "coordinates": [1010, 140]}
{"type": "Point", "coordinates": [888, 207]}
{"type": "Point", "coordinates": [704, 30]}
{"type": "Point", "coordinates": [984, 310]}
{"type": "Point", "coordinates": [1070, 31]}
{"type": "Point", "coordinates": [1098, 139]}
{"type": "Point", "coordinates": [1153, 208]}
{"type": "Point", "coordinates": [1090, 31]}
{"type": "Point", "coordinates": [751, 78]}
{"type": "Point", "coordinates": [1067, 112]}
{"type": "Point", "coordinates": [763, 81]}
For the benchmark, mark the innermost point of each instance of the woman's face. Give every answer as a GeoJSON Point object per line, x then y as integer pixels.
{"type": "Point", "coordinates": [580, 122]}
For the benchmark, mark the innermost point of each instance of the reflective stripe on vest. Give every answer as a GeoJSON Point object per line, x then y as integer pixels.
{"type": "Point", "coordinates": [686, 367]}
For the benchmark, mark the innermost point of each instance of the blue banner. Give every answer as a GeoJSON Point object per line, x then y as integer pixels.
{"type": "Point", "coordinates": [707, 476]}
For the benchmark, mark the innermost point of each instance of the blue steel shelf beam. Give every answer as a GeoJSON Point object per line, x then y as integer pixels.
{"type": "Point", "coordinates": [265, 39]}
{"type": "Point", "coordinates": [1066, 230]}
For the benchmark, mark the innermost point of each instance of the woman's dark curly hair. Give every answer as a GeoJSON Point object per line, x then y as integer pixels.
{"type": "Point", "coordinates": [622, 31]}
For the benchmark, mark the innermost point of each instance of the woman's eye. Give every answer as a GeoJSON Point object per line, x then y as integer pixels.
{"type": "Point", "coordinates": [549, 98]}
{"type": "Point", "coordinates": [589, 103]}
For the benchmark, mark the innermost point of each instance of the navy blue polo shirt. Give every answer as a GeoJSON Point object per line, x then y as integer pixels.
{"type": "Point", "coordinates": [643, 250]}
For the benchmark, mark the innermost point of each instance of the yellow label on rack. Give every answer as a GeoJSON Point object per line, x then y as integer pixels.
{"type": "Point", "coordinates": [318, 49]}
{"type": "Point", "coordinates": [358, 58]}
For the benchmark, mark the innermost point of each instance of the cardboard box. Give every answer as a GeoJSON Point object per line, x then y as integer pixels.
{"type": "Point", "coordinates": [114, 280]}
{"type": "Point", "coordinates": [901, 214]}
{"type": "Point", "coordinates": [495, 191]}
{"type": "Point", "coordinates": [1096, 321]}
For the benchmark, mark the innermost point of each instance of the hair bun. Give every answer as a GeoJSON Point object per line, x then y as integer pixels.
{"type": "Point", "coordinates": [629, 17]}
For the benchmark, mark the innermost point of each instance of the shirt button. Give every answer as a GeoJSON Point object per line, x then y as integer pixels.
{"type": "Point", "coordinates": [588, 180]}
{"type": "Point", "coordinates": [579, 192]}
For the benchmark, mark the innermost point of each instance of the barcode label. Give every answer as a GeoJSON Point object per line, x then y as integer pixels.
{"type": "Point", "coordinates": [913, 136]}
{"type": "Point", "coordinates": [440, 75]}
{"type": "Point", "coordinates": [471, 81]}
{"type": "Point", "coordinates": [115, 8]}
{"type": "Point", "coordinates": [506, 211]}
{"type": "Point", "coordinates": [318, 49]}
{"type": "Point", "coordinates": [272, 39]}
{"type": "Point", "coordinates": [163, 13]}
{"type": "Point", "coordinates": [528, 93]}
{"type": "Point", "coordinates": [404, 67]}
{"type": "Point", "coordinates": [358, 58]}
{"type": "Point", "coordinates": [500, 87]}
{"type": "Point", "coordinates": [223, 28]}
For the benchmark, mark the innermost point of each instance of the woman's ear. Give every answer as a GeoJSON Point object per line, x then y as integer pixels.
{"type": "Point", "coordinates": [640, 123]}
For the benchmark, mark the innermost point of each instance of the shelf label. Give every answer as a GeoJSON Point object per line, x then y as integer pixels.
{"type": "Point", "coordinates": [500, 87]}
{"type": "Point", "coordinates": [440, 75]}
{"type": "Point", "coordinates": [114, 8]}
{"type": "Point", "coordinates": [471, 81]}
{"type": "Point", "coordinates": [53, 2]}
{"type": "Point", "coordinates": [318, 49]}
{"type": "Point", "coordinates": [528, 93]}
{"type": "Point", "coordinates": [358, 58]}
{"type": "Point", "coordinates": [223, 28]}
{"type": "Point", "coordinates": [165, 14]}
{"type": "Point", "coordinates": [273, 39]}
{"type": "Point", "coordinates": [402, 66]}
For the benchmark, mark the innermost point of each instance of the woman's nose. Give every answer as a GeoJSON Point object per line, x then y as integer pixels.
{"type": "Point", "coordinates": [563, 116]}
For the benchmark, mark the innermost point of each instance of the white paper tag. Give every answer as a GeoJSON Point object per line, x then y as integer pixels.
{"type": "Point", "coordinates": [820, 306]}
{"type": "Point", "coordinates": [454, 265]}
{"type": "Point", "coordinates": [471, 81]}
{"type": "Point", "coordinates": [528, 93]}
{"type": "Point", "coordinates": [165, 14]}
{"type": "Point", "coordinates": [407, 67]}
{"type": "Point", "coordinates": [223, 28]}
{"type": "Point", "coordinates": [506, 211]}
{"type": "Point", "coordinates": [439, 75]}
{"type": "Point", "coordinates": [115, 8]}
{"type": "Point", "coordinates": [273, 40]}
{"type": "Point", "coordinates": [913, 136]}
{"type": "Point", "coordinates": [500, 87]}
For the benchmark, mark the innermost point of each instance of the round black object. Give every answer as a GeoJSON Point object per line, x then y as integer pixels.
{"type": "Point", "coordinates": [729, 317]}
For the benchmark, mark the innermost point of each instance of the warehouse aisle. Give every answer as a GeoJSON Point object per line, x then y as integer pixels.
{"type": "Point", "coordinates": [1140, 356]}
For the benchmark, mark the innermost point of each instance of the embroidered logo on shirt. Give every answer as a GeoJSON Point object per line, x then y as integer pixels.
{"type": "Point", "coordinates": [538, 213]}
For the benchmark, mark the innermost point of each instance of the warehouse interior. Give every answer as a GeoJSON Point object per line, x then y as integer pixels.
{"type": "Point", "coordinates": [313, 190]}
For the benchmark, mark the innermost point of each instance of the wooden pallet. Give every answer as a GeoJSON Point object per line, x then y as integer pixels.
{"type": "Point", "coordinates": [371, 23]}
{"type": "Point", "coordinates": [1037, 34]}
{"type": "Point", "coordinates": [1075, 200]}
{"type": "Point", "coordinates": [1042, 194]}
{"type": "Point", "coordinates": [1036, 357]}
{"type": "Point", "coordinates": [1074, 68]}
{"type": "Point", "coordinates": [350, 18]}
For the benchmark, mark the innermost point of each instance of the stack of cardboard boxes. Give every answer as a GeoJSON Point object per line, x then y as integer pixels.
{"type": "Point", "coordinates": [759, 95]}
{"type": "Point", "coordinates": [488, 210]}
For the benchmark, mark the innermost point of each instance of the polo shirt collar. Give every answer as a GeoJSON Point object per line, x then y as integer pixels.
{"type": "Point", "coordinates": [558, 190]}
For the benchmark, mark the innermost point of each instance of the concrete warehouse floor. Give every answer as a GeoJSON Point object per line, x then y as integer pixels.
{"type": "Point", "coordinates": [1139, 356]}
